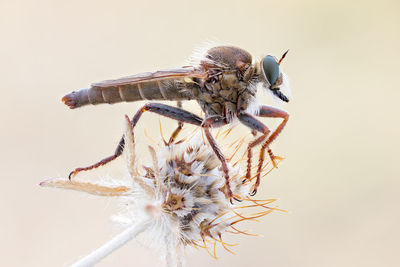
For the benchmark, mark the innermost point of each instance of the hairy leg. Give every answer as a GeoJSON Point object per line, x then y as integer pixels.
{"type": "Point", "coordinates": [161, 109]}
{"type": "Point", "coordinates": [271, 112]}
{"type": "Point", "coordinates": [254, 124]}
{"type": "Point", "coordinates": [213, 122]}
{"type": "Point", "coordinates": [178, 129]}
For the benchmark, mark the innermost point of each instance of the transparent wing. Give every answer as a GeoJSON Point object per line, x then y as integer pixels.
{"type": "Point", "coordinates": [186, 71]}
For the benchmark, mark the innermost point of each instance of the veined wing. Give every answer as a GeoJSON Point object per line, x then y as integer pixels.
{"type": "Point", "coordinates": [186, 71]}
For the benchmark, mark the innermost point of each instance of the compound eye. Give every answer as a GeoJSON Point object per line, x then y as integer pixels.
{"type": "Point", "coordinates": [271, 69]}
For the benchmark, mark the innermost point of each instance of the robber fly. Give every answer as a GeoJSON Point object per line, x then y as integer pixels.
{"type": "Point", "coordinates": [224, 83]}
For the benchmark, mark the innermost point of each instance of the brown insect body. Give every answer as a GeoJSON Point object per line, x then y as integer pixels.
{"type": "Point", "coordinates": [159, 85]}
{"type": "Point", "coordinates": [223, 83]}
{"type": "Point", "coordinates": [220, 84]}
{"type": "Point", "coordinates": [226, 90]}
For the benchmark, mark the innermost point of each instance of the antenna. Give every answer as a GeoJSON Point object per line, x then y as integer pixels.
{"type": "Point", "coordinates": [283, 56]}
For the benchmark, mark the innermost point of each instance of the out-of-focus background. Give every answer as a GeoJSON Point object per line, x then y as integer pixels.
{"type": "Point", "coordinates": [340, 178]}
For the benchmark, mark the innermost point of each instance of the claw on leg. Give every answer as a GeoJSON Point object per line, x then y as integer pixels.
{"type": "Point", "coordinates": [253, 190]}
{"type": "Point", "coordinates": [260, 166]}
{"type": "Point", "coordinates": [94, 166]}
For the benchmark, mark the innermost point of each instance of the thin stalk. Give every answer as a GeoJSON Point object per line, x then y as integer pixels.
{"type": "Point", "coordinates": [112, 245]}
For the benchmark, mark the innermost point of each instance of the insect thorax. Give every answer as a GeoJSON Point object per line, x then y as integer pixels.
{"type": "Point", "coordinates": [224, 94]}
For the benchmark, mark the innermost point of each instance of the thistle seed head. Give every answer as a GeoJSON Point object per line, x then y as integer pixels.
{"type": "Point", "coordinates": [182, 191]}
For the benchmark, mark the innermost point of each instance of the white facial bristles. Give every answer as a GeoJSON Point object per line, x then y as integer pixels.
{"type": "Point", "coordinates": [285, 87]}
{"type": "Point", "coordinates": [180, 194]}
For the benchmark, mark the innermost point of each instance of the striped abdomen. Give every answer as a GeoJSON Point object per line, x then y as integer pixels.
{"type": "Point", "coordinates": [160, 85]}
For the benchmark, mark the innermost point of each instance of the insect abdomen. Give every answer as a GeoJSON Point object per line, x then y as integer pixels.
{"type": "Point", "coordinates": [160, 89]}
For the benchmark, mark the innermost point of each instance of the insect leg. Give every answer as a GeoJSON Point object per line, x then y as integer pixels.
{"type": "Point", "coordinates": [271, 112]}
{"type": "Point", "coordinates": [254, 125]}
{"type": "Point", "coordinates": [217, 121]}
{"type": "Point", "coordinates": [161, 109]}
{"type": "Point", "coordinates": [178, 129]}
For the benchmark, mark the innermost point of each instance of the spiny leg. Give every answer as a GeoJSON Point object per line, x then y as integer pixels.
{"type": "Point", "coordinates": [254, 125]}
{"type": "Point", "coordinates": [102, 162]}
{"type": "Point", "coordinates": [161, 109]}
{"type": "Point", "coordinates": [271, 112]}
{"type": "Point", "coordinates": [175, 133]}
{"type": "Point", "coordinates": [178, 129]}
{"type": "Point", "coordinates": [217, 121]}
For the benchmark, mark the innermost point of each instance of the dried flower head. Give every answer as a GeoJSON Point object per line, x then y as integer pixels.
{"type": "Point", "coordinates": [180, 194]}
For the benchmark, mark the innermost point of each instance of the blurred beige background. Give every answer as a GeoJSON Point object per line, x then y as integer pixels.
{"type": "Point", "coordinates": [340, 180]}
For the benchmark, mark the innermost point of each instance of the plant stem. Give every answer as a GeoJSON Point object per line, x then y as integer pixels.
{"type": "Point", "coordinates": [115, 243]}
